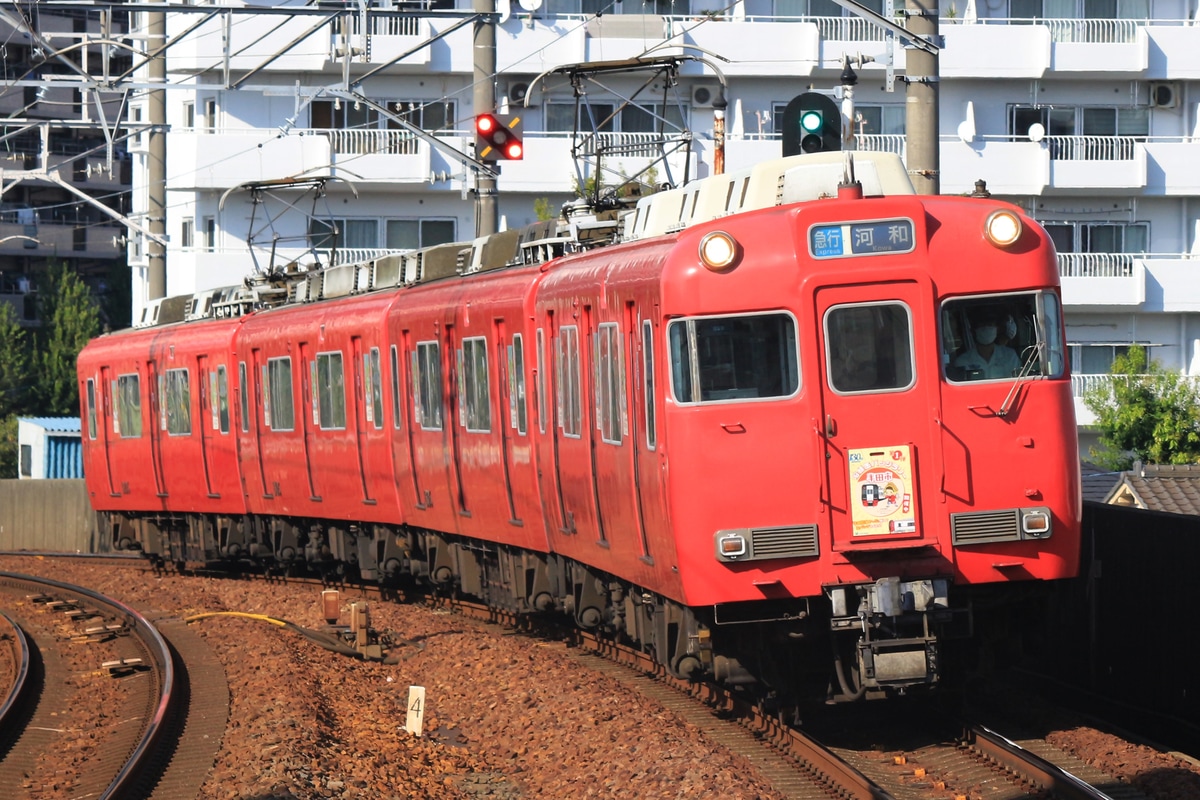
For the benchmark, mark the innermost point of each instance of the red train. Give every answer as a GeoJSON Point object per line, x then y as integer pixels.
{"type": "Point", "coordinates": [774, 426]}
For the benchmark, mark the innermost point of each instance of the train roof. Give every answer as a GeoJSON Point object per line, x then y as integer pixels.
{"type": "Point", "coordinates": [776, 182]}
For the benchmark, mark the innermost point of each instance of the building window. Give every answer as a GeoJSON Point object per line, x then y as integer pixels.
{"type": "Point", "coordinates": [1099, 237]}
{"type": "Point", "coordinates": [189, 115]}
{"type": "Point", "coordinates": [516, 384]}
{"type": "Point", "coordinates": [373, 388]}
{"type": "Point", "coordinates": [210, 115]}
{"type": "Point", "coordinates": [610, 383]}
{"type": "Point", "coordinates": [26, 461]}
{"type": "Point", "coordinates": [328, 376]}
{"type": "Point", "coordinates": [344, 233]}
{"type": "Point", "coordinates": [570, 409]}
{"type": "Point", "coordinates": [429, 115]}
{"type": "Point", "coordinates": [427, 389]}
{"type": "Point", "coordinates": [413, 234]}
{"type": "Point", "coordinates": [278, 406]}
{"type": "Point", "coordinates": [744, 357]}
{"type": "Point", "coordinates": [210, 234]}
{"type": "Point", "coordinates": [187, 232]}
{"type": "Point", "coordinates": [474, 400]}
{"type": "Point", "coordinates": [127, 411]}
{"type": "Point", "coordinates": [1095, 359]}
{"type": "Point", "coordinates": [176, 412]}
{"type": "Point", "coordinates": [885, 120]}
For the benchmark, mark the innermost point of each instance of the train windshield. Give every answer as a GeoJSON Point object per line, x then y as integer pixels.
{"type": "Point", "coordinates": [1001, 337]}
{"type": "Point", "coordinates": [749, 356]}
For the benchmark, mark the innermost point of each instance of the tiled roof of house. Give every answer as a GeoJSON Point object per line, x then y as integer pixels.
{"type": "Point", "coordinates": [1174, 489]}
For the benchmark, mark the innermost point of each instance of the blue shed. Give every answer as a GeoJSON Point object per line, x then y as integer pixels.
{"type": "Point", "coordinates": [50, 447]}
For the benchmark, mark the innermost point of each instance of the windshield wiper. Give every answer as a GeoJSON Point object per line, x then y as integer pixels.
{"type": "Point", "coordinates": [1023, 373]}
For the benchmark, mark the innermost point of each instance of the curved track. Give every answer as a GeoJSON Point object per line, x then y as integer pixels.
{"type": "Point", "coordinates": [86, 650]}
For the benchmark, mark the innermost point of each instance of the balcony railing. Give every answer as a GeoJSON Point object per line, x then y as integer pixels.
{"type": "Point", "coordinates": [353, 141]}
{"type": "Point", "coordinates": [1092, 148]}
{"type": "Point", "coordinates": [887, 142]}
{"type": "Point", "coordinates": [1082, 384]}
{"type": "Point", "coordinates": [1096, 265]}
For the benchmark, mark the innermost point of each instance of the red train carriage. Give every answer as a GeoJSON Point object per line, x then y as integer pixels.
{"type": "Point", "coordinates": [778, 420]}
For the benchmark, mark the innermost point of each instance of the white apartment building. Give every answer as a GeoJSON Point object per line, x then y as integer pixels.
{"type": "Point", "coordinates": [1080, 111]}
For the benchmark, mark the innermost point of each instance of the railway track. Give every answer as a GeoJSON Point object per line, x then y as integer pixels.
{"type": "Point", "coordinates": [88, 716]}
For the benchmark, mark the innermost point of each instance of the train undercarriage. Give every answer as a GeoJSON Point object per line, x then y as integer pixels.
{"type": "Point", "coordinates": [854, 642]}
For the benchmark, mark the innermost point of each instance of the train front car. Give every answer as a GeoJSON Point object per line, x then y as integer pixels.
{"type": "Point", "coordinates": [869, 422]}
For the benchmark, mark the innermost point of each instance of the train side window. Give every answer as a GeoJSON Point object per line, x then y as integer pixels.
{"type": "Point", "coordinates": [373, 388]}
{"type": "Point", "coordinates": [129, 407]}
{"type": "Point", "coordinates": [516, 384]}
{"type": "Point", "coordinates": [178, 402]}
{"type": "Point", "coordinates": [280, 409]}
{"type": "Point", "coordinates": [329, 378]}
{"type": "Point", "coordinates": [427, 390]}
{"type": "Point", "coordinates": [744, 357]}
{"type": "Point", "coordinates": [610, 383]}
{"type": "Point", "coordinates": [868, 348]}
{"type": "Point", "coordinates": [648, 373]}
{"type": "Point", "coordinates": [395, 388]}
{"type": "Point", "coordinates": [570, 411]}
{"type": "Point", "coordinates": [473, 398]}
{"type": "Point", "coordinates": [218, 391]}
{"type": "Point", "coordinates": [91, 407]}
{"type": "Point", "coordinates": [541, 379]}
{"type": "Point", "coordinates": [244, 396]}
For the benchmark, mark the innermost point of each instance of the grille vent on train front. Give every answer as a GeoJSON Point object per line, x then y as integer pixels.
{"type": "Point", "coordinates": [977, 527]}
{"type": "Point", "coordinates": [788, 541]}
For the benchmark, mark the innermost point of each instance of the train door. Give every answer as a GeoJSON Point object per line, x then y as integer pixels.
{"type": "Point", "coordinates": [874, 401]}
{"type": "Point", "coordinates": [158, 421]}
{"type": "Point", "coordinates": [639, 366]}
{"type": "Point", "coordinates": [405, 382]}
{"type": "Point", "coordinates": [454, 409]}
{"type": "Point", "coordinates": [259, 415]}
{"type": "Point", "coordinates": [208, 410]}
{"type": "Point", "coordinates": [576, 433]}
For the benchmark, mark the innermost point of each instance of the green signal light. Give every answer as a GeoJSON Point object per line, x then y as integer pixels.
{"type": "Point", "coordinates": [811, 121]}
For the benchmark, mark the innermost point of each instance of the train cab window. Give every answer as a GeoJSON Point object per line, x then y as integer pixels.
{"type": "Point", "coordinates": [868, 348]}
{"type": "Point", "coordinates": [329, 382]}
{"type": "Point", "coordinates": [474, 409]}
{"type": "Point", "coordinates": [127, 416]}
{"type": "Point", "coordinates": [648, 378]}
{"type": "Point", "coordinates": [1002, 337]}
{"type": "Point", "coordinates": [395, 387]}
{"type": "Point", "coordinates": [373, 388]}
{"type": "Point", "coordinates": [570, 408]}
{"type": "Point", "coordinates": [244, 396]}
{"type": "Point", "coordinates": [91, 407]}
{"type": "Point", "coordinates": [516, 384]}
{"type": "Point", "coordinates": [427, 388]}
{"type": "Point", "coordinates": [177, 406]}
{"type": "Point", "coordinates": [279, 410]}
{"type": "Point", "coordinates": [744, 357]}
{"type": "Point", "coordinates": [218, 391]}
{"type": "Point", "coordinates": [610, 383]}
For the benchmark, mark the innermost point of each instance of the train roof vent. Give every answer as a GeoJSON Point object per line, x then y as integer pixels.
{"type": "Point", "coordinates": [338, 281]}
{"type": "Point", "coordinates": [978, 527]}
{"type": "Point", "coordinates": [387, 271]}
{"type": "Point", "coordinates": [149, 314]}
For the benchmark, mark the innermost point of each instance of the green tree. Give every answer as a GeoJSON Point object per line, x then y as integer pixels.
{"type": "Point", "coordinates": [69, 319]}
{"type": "Point", "coordinates": [1145, 413]}
{"type": "Point", "coordinates": [8, 446]}
{"type": "Point", "coordinates": [14, 362]}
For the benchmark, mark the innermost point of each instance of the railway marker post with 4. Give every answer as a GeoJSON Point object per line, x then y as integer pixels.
{"type": "Point", "coordinates": [416, 710]}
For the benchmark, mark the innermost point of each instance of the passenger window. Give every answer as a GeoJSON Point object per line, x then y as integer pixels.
{"type": "Point", "coordinates": [648, 377]}
{"type": "Point", "coordinates": [177, 409]}
{"type": "Point", "coordinates": [427, 389]}
{"type": "Point", "coordinates": [868, 348]}
{"type": "Point", "coordinates": [395, 388]}
{"type": "Point", "coordinates": [516, 384]}
{"type": "Point", "coordinates": [373, 388]}
{"type": "Point", "coordinates": [91, 407]}
{"type": "Point", "coordinates": [218, 394]}
{"type": "Point", "coordinates": [746, 357]}
{"type": "Point", "coordinates": [570, 409]}
{"type": "Point", "coordinates": [610, 383]}
{"type": "Point", "coordinates": [541, 379]}
{"type": "Point", "coordinates": [127, 418]}
{"type": "Point", "coordinates": [329, 378]}
{"type": "Point", "coordinates": [279, 410]}
{"type": "Point", "coordinates": [1000, 337]}
{"type": "Point", "coordinates": [474, 407]}
{"type": "Point", "coordinates": [244, 395]}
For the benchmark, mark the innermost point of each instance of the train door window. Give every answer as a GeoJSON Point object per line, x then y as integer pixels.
{"type": "Point", "coordinates": [868, 348]}
{"type": "Point", "coordinates": [570, 411]}
{"type": "Point", "coordinates": [177, 408]}
{"type": "Point", "coordinates": [373, 388]}
{"type": "Point", "coordinates": [744, 357]}
{"type": "Point", "coordinates": [427, 391]}
{"type": "Point", "coordinates": [648, 377]}
{"type": "Point", "coordinates": [1001, 337]}
{"type": "Point", "coordinates": [474, 409]}
{"type": "Point", "coordinates": [244, 396]}
{"type": "Point", "coordinates": [516, 384]}
{"type": "Point", "coordinates": [541, 379]}
{"type": "Point", "coordinates": [91, 407]}
{"type": "Point", "coordinates": [218, 392]}
{"type": "Point", "coordinates": [279, 410]}
{"type": "Point", "coordinates": [610, 384]}
{"type": "Point", "coordinates": [395, 387]}
{"type": "Point", "coordinates": [329, 378]}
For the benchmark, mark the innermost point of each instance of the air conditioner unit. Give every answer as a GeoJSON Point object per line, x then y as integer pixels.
{"type": "Point", "coordinates": [1164, 95]}
{"type": "Point", "coordinates": [704, 94]}
{"type": "Point", "coordinates": [517, 92]}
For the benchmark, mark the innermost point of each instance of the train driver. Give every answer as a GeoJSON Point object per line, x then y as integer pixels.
{"type": "Point", "coordinates": [987, 360]}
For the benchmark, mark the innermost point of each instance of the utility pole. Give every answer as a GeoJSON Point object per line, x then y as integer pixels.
{"type": "Point", "coordinates": [921, 108]}
{"type": "Point", "coordinates": [487, 218]}
{"type": "Point", "coordinates": [156, 157]}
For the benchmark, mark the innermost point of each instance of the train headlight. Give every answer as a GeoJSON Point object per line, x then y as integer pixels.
{"type": "Point", "coordinates": [1002, 228]}
{"type": "Point", "coordinates": [719, 251]}
{"type": "Point", "coordinates": [731, 546]}
{"type": "Point", "coordinates": [1035, 523]}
